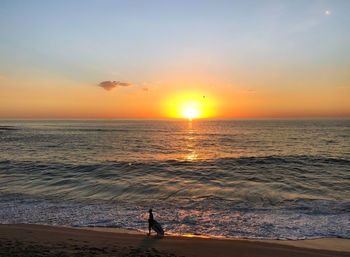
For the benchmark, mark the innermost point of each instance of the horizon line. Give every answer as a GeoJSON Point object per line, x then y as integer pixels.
{"type": "Point", "coordinates": [186, 119]}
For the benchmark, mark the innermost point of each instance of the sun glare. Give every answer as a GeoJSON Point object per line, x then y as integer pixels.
{"type": "Point", "coordinates": [190, 113]}
{"type": "Point", "coordinates": [190, 106]}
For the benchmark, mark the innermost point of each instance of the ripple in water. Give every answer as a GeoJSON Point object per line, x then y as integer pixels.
{"type": "Point", "coordinates": [230, 178]}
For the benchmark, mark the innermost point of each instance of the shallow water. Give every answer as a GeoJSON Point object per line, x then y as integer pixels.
{"type": "Point", "coordinates": [227, 178]}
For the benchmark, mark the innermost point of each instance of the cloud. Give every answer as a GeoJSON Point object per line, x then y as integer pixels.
{"type": "Point", "coordinates": [110, 85]}
{"type": "Point", "coordinates": [123, 84]}
{"type": "Point", "coordinates": [149, 86]}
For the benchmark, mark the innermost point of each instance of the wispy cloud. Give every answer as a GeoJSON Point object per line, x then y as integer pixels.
{"type": "Point", "coordinates": [149, 86]}
{"type": "Point", "coordinates": [123, 84]}
{"type": "Point", "coordinates": [110, 85]}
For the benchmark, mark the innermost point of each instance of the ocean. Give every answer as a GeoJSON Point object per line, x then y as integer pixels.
{"type": "Point", "coordinates": [271, 179]}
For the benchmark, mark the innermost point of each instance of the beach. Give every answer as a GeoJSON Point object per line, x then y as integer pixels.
{"type": "Point", "coordinates": [43, 240]}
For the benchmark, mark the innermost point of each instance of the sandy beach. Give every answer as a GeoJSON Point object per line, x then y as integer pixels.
{"type": "Point", "coordinates": [42, 240]}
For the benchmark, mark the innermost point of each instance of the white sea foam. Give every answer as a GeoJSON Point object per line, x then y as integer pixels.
{"type": "Point", "coordinates": [197, 220]}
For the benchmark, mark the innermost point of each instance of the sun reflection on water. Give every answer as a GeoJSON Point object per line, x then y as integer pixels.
{"type": "Point", "coordinates": [198, 236]}
{"type": "Point", "coordinates": [192, 157]}
{"type": "Point", "coordinates": [191, 154]}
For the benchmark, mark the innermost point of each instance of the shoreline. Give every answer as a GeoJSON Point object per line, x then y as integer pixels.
{"type": "Point", "coordinates": [45, 240]}
{"type": "Point", "coordinates": [329, 243]}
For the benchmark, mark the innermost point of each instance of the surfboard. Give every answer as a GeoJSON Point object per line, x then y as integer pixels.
{"type": "Point", "coordinates": [158, 228]}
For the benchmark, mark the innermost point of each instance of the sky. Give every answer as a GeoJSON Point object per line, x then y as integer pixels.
{"type": "Point", "coordinates": [153, 59]}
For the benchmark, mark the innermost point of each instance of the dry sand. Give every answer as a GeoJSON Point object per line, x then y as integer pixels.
{"type": "Point", "coordinates": [40, 240]}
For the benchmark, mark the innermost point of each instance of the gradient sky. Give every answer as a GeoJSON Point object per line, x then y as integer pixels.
{"type": "Point", "coordinates": [235, 58]}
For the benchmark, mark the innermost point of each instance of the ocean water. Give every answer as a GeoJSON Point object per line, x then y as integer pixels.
{"type": "Point", "coordinates": [280, 179]}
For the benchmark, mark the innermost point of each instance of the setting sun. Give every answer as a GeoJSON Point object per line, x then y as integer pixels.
{"type": "Point", "coordinates": [190, 109]}
{"type": "Point", "coordinates": [190, 113]}
{"type": "Point", "coordinates": [190, 105]}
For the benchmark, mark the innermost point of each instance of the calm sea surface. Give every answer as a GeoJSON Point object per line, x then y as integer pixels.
{"type": "Point", "coordinates": [286, 179]}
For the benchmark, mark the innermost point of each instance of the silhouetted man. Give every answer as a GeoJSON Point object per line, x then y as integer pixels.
{"type": "Point", "coordinates": [150, 221]}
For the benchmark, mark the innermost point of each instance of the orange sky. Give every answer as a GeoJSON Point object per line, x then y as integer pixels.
{"type": "Point", "coordinates": [234, 60]}
{"type": "Point", "coordinates": [68, 100]}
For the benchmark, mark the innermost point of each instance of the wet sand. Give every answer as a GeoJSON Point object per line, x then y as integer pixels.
{"type": "Point", "coordinates": [41, 240]}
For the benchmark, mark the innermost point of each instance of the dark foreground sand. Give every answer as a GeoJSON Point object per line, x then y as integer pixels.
{"type": "Point", "coordinates": [39, 240]}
